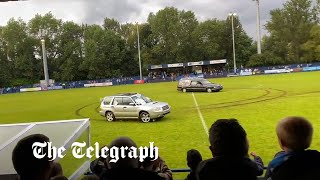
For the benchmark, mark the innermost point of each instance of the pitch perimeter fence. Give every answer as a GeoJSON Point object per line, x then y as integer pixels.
{"type": "Point", "coordinates": [136, 80]}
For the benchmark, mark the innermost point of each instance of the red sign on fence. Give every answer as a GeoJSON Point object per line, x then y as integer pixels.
{"type": "Point", "coordinates": [138, 81]}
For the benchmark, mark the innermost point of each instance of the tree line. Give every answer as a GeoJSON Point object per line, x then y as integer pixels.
{"type": "Point", "coordinates": [79, 52]}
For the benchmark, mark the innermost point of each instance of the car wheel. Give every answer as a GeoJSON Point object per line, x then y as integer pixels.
{"type": "Point", "coordinates": [110, 116]}
{"type": "Point", "coordinates": [145, 117]}
{"type": "Point", "coordinates": [209, 90]}
{"type": "Point", "coordinates": [184, 90]}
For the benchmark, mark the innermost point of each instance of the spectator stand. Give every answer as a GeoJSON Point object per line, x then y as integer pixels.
{"type": "Point", "coordinates": [174, 72]}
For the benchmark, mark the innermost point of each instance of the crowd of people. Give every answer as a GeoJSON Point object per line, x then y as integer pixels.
{"type": "Point", "coordinates": [230, 160]}
{"type": "Point", "coordinates": [176, 74]}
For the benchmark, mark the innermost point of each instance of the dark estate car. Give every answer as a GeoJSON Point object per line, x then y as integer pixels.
{"type": "Point", "coordinates": [198, 85]}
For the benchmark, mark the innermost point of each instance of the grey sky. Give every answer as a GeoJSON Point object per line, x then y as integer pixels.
{"type": "Point", "coordinates": [94, 11]}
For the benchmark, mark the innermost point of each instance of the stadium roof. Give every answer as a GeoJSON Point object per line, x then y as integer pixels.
{"type": "Point", "coordinates": [186, 64]}
{"type": "Point", "coordinates": [60, 133]}
{"type": "Point", "coordinates": [10, 0]}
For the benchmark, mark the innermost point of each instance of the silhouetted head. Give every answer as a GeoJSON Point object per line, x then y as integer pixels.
{"type": "Point", "coordinates": [193, 159]}
{"type": "Point", "coordinates": [294, 133]}
{"type": "Point", "coordinates": [123, 162]}
{"type": "Point", "coordinates": [56, 170]}
{"type": "Point", "coordinates": [26, 164]}
{"type": "Point", "coordinates": [228, 138]}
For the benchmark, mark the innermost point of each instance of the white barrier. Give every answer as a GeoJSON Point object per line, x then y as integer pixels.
{"type": "Point", "coordinates": [30, 89]}
{"type": "Point", "coordinates": [98, 84]}
{"type": "Point", "coordinates": [277, 71]}
{"type": "Point", "coordinates": [55, 87]}
{"type": "Point", "coordinates": [246, 73]}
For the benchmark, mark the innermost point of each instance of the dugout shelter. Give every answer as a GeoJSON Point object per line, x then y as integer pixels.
{"type": "Point", "coordinates": [61, 133]}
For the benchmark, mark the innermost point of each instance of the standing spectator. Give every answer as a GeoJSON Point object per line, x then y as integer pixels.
{"type": "Point", "coordinates": [294, 162]}
{"type": "Point", "coordinates": [159, 166]}
{"type": "Point", "coordinates": [193, 159]}
{"type": "Point", "coordinates": [229, 147]}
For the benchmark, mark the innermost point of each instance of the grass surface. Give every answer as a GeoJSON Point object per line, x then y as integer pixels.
{"type": "Point", "coordinates": [258, 102]}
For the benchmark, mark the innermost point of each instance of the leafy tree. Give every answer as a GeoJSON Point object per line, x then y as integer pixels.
{"type": "Point", "coordinates": [20, 59]}
{"type": "Point", "coordinates": [5, 73]}
{"type": "Point", "coordinates": [288, 27]}
{"type": "Point", "coordinates": [111, 24]}
{"type": "Point", "coordinates": [311, 48]}
{"type": "Point", "coordinates": [186, 26]}
{"type": "Point", "coordinates": [164, 26]}
{"type": "Point", "coordinates": [209, 40]}
{"type": "Point", "coordinates": [264, 59]}
{"type": "Point", "coordinates": [70, 52]}
{"type": "Point", "coordinates": [104, 52]}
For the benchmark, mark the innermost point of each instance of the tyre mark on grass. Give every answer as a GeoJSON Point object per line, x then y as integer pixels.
{"type": "Point", "coordinates": [283, 94]}
{"type": "Point", "coordinates": [306, 93]}
{"type": "Point", "coordinates": [78, 111]}
{"type": "Point", "coordinates": [97, 109]}
{"type": "Point", "coordinates": [267, 92]}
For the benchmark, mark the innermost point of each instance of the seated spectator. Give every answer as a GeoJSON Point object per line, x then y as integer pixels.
{"type": "Point", "coordinates": [91, 177]}
{"type": "Point", "coordinates": [98, 166]}
{"type": "Point", "coordinates": [159, 166]}
{"type": "Point", "coordinates": [294, 162]}
{"type": "Point", "coordinates": [193, 159]}
{"type": "Point", "coordinates": [126, 168]}
{"type": "Point", "coordinates": [26, 164]}
{"type": "Point", "coordinates": [229, 147]}
{"type": "Point", "coordinates": [56, 170]}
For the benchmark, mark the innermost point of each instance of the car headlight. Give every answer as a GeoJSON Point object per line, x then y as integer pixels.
{"type": "Point", "coordinates": [157, 109]}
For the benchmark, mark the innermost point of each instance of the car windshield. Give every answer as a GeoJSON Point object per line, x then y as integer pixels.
{"type": "Point", "coordinates": [205, 82]}
{"type": "Point", "coordinates": [140, 99]}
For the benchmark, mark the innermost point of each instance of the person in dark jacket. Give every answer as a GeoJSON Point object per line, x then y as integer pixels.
{"type": "Point", "coordinates": [193, 159]}
{"type": "Point", "coordinates": [126, 168]}
{"type": "Point", "coordinates": [294, 162]}
{"type": "Point", "coordinates": [99, 165]}
{"type": "Point", "coordinates": [159, 166]}
{"type": "Point", "coordinates": [229, 147]}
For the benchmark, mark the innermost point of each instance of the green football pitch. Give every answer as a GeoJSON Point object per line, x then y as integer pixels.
{"type": "Point", "coordinates": [258, 102]}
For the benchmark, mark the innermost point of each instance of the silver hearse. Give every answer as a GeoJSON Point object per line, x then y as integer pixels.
{"type": "Point", "coordinates": [132, 106]}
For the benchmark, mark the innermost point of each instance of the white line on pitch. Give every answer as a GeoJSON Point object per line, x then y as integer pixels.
{"type": "Point", "coordinates": [200, 115]}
